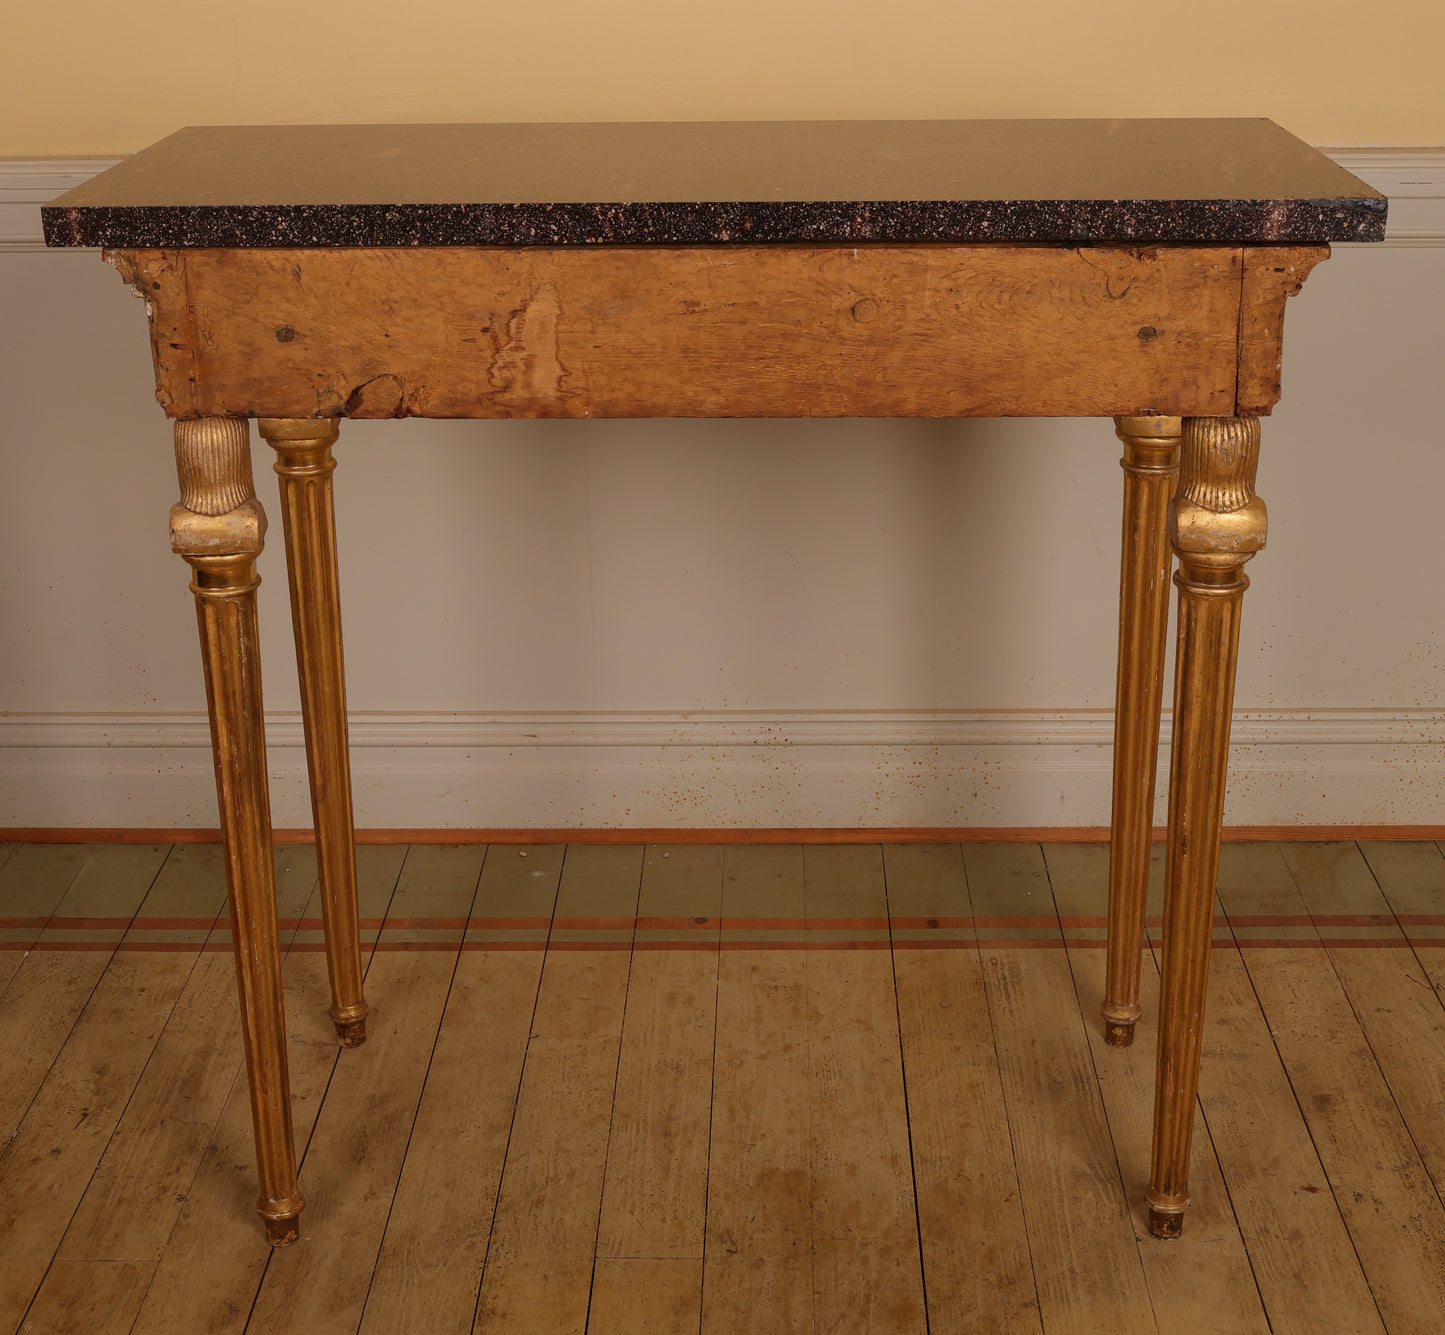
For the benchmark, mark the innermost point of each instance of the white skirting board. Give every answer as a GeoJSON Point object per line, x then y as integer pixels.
{"type": "Point", "coordinates": [722, 770]}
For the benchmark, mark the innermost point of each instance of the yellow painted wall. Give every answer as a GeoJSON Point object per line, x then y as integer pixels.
{"type": "Point", "coordinates": [81, 77]}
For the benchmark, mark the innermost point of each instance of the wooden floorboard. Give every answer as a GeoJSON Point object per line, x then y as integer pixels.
{"type": "Point", "coordinates": [68, 1125]}
{"type": "Point", "coordinates": [50, 989]}
{"type": "Point", "coordinates": [215, 1257]}
{"type": "Point", "coordinates": [538, 1275]}
{"type": "Point", "coordinates": [1085, 1257]}
{"type": "Point", "coordinates": [649, 1269]}
{"type": "Point", "coordinates": [136, 1194]}
{"type": "Point", "coordinates": [1411, 877]}
{"type": "Point", "coordinates": [758, 1262]}
{"type": "Point", "coordinates": [867, 1267]}
{"type": "Point", "coordinates": [977, 1270]}
{"type": "Point", "coordinates": [744, 1087]}
{"type": "Point", "coordinates": [1207, 1286]}
{"type": "Point", "coordinates": [1402, 1017]}
{"type": "Point", "coordinates": [356, 1151]}
{"type": "Point", "coordinates": [33, 881]}
{"type": "Point", "coordinates": [96, 1297]}
{"type": "Point", "coordinates": [1390, 1206]}
{"type": "Point", "coordinates": [435, 1245]}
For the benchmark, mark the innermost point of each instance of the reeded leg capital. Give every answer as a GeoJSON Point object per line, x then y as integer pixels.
{"type": "Point", "coordinates": [1216, 524]}
{"type": "Point", "coordinates": [1151, 444]}
{"type": "Point", "coordinates": [297, 437]}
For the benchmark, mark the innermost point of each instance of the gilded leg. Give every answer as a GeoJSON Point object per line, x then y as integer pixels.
{"type": "Point", "coordinates": [1216, 525]}
{"type": "Point", "coordinates": [219, 528]}
{"type": "Point", "coordinates": [1151, 467]}
{"type": "Point", "coordinates": [304, 464]}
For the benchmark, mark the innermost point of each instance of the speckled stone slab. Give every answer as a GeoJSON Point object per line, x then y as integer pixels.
{"type": "Point", "coordinates": [819, 182]}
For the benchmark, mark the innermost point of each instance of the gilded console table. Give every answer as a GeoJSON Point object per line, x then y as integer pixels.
{"type": "Point", "coordinates": [1128, 269]}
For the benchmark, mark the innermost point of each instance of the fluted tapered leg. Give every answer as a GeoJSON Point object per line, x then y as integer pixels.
{"type": "Point", "coordinates": [1151, 467]}
{"type": "Point", "coordinates": [1216, 525]}
{"type": "Point", "coordinates": [219, 528]}
{"type": "Point", "coordinates": [304, 464]}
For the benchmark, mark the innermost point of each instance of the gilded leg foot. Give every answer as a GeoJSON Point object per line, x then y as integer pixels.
{"type": "Point", "coordinates": [282, 1229]}
{"type": "Point", "coordinates": [1165, 1223]}
{"type": "Point", "coordinates": [1119, 1025]}
{"type": "Point", "coordinates": [350, 1033]}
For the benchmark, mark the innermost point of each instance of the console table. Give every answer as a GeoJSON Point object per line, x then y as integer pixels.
{"type": "Point", "coordinates": [1130, 269]}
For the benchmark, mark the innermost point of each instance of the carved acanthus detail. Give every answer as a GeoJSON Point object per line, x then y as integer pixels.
{"type": "Point", "coordinates": [218, 512]}
{"type": "Point", "coordinates": [1217, 462]}
{"type": "Point", "coordinates": [1216, 519]}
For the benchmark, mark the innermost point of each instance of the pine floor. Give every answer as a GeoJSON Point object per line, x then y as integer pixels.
{"type": "Point", "coordinates": [727, 1089]}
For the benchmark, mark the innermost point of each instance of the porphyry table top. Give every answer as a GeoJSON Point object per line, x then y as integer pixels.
{"type": "Point", "coordinates": [1205, 181]}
